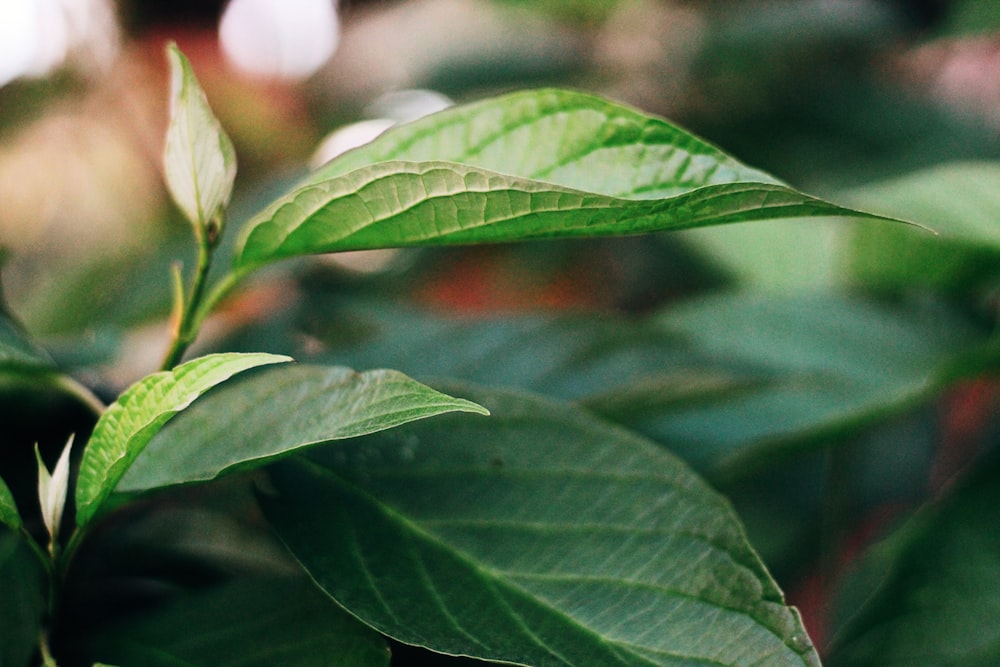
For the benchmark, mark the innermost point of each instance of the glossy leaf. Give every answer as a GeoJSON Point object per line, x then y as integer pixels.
{"type": "Point", "coordinates": [23, 603]}
{"type": "Point", "coordinates": [199, 159]}
{"type": "Point", "coordinates": [542, 164]}
{"type": "Point", "coordinates": [927, 595]}
{"type": "Point", "coordinates": [271, 414]}
{"type": "Point", "coordinates": [541, 536]}
{"type": "Point", "coordinates": [8, 508]}
{"type": "Point", "coordinates": [400, 204]}
{"type": "Point", "coordinates": [253, 622]}
{"type": "Point", "coordinates": [127, 426]}
{"type": "Point", "coordinates": [562, 137]}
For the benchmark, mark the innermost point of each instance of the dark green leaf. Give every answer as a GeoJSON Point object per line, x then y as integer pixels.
{"type": "Point", "coordinates": [8, 508]}
{"type": "Point", "coordinates": [17, 353]}
{"type": "Point", "coordinates": [825, 363]}
{"type": "Point", "coordinates": [542, 536]}
{"type": "Point", "coordinates": [254, 622]}
{"type": "Point", "coordinates": [727, 381]}
{"type": "Point", "coordinates": [275, 412]}
{"type": "Point", "coordinates": [23, 603]}
{"type": "Point", "coordinates": [140, 412]}
{"type": "Point", "coordinates": [931, 589]}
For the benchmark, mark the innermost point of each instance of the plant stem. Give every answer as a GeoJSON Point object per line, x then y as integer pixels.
{"type": "Point", "coordinates": [188, 324]}
{"type": "Point", "coordinates": [81, 393]}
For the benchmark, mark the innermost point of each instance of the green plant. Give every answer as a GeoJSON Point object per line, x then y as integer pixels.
{"type": "Point", "coordinates": [548, 533]}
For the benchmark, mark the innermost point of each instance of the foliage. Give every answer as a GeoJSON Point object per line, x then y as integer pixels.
{"type": "Point", "coordinates": [559, 505]}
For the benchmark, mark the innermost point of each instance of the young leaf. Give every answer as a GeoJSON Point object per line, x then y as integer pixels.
{"type": "Point", "coordinates": [8, 508]}
{"type": "Point", "coordinates": [199, 159]}
{"type": "Point", "coordinates": [399, 204]}
{"type": "Point", "coordinates": [305, 405]}
{"type": "Point", "coordinates": [52, 489]}
{"type": "Point", "coordinates": [541, 537]}
{"type": "Point", "coordinates": [129, 423]}
{"type": "Point", "coordinates": [22, 604]}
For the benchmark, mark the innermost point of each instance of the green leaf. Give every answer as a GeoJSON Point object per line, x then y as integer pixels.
{"type": "Point", "coordinates": [8, 508]}
{"type": "Point", "coordinates": [561, 137]}
{"type": "Point", "coordinates": [199, 159]}
{"type": "Point", "coordinates": [271, 414]}
{"type": "Point", "coordinates": [399, 204]}
{"type": "Point", "coordinates": [542, 536]}
{"type": "Point", "coordinates": [250, 622]}
{"type": "Point", "coordinates": [729, 381]}
{"type": "Point", "coordinates": [825, 364]}
{"type": "Point", "coordinates": [961, 202]}
{"type": "Point", "coordinates": [23, 603]}
{"type": "Point", "coordinates": [17, 353]}
{"type": "Point", "coordinates": [127, 426]}
{"type": "Point", "coordinates": [929, 591]}
{"type": "Point", "coordinates": [543, 164]}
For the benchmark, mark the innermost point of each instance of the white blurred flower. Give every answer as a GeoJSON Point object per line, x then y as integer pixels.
{"type": "Point", "coordinates": [36, 36]}
{"type": "Point", "coordinates": [279, 39]}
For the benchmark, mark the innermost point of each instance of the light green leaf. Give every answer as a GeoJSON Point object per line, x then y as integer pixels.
{"type": "Point", "coordinates": [928, 594]}
{"type": "Point", "coordinates": [961, 202]}
{"type": "Point", "coordinates": [541, 537]}
{"type": "Point", "coordinates": [536, 164]}
{"type": "Point", "coordinates": [199, 159]}
{"type": "Point", "coordinates": [399, 204]}
{"type": "Point", "coordinates": [23, 603]}
{"type": "Point", "coordinates": [53, 488]}
{"type": "Point", "coordinates": [253, 622]}
{"type": "Point", "coordinates": [127, 426]}
{"type": "Point", "coordinates": [8, 508]}
{"type": "Point", "coordinates": [256, 419]}
{"type": "Point", "coordinates": [562, 137]}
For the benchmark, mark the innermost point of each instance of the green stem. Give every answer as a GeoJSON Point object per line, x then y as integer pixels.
{"type": "Point", "coordinates": [81, 393]}
{"type": "Point", "coordinates": [219, 291]}
{"type": "Point", "coordinates": [188, 324]}
{"type": "Point", "coordinates": [43, 645]}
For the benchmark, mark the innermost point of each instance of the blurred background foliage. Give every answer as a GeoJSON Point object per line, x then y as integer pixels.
{"type": "Point", "coordinates": [832, 378]}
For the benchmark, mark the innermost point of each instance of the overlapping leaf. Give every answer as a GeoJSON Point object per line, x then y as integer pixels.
{"type": "Point", "coordinates": [271, 414]}
{"type": "Point", "coordinates": [127, 426]}
{"type": "Point", "coordinates": [725, 380]}
{"type": "Point", "coordinates": [541, 536]}
{"type": "Point", "coordinates": [544, 164]}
